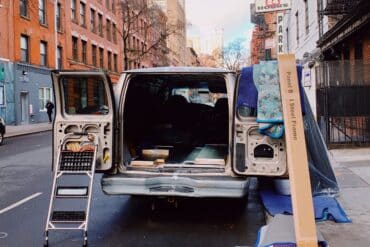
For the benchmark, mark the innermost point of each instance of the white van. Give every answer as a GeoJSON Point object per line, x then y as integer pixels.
{"type": "Point", "coordinates": [155, 140]}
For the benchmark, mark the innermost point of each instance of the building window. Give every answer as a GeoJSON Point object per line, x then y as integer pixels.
{"type": "Point", "coordinates": [114, 33]}
{"type": "Point", "coordinates": [82, 14]}
{"type": "Point", "coordinates": [268, 54]}
{"type": "Point", "coordinates": [43, 53]}
{"type": "Point", "coordinates": [59, 58]}
{"type": "Point", "coordinates": [107, 5]}
{"type": "Point", "coordinates": [113, 6]}
{"type": "Point", "coordinates": [2, 100]}
{"type": "Point", "coordinates": [73, 10]}
{"type": "Point", "coordinates": [115, 62]}
{"type": "Point", "coordinates": [100, 24]}
{"type": "Point", "coordinates": [108, 30]}
{"type": "Point", "coordinates": [58, 18]}
{"type": "Point", "coordinates": [109, 60]}
{"type": "Point", "coordinates": [44, 96]}
{"type": "Point", "coordinates": [84, 51]}
{"type": "Point", "coordinates": [42, 12]}
{"type": "Point", "coordinates": [297, 27]}
{"type": "Point", "coordinates": [75, 48]}
{"type": "Point", "coordinates": [24, 49]}
{"type": "Point", "coordinates": [92, 20]}
{"type": "Point", "coordinates": [101, 57]}
{"type": "Point", "coordinates": [307, 24]}
{"type": "Point", "coordinates": [23, 8]}
{"type": "Point", "coordinates": [93, 53]}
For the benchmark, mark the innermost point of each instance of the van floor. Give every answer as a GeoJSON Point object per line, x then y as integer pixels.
{"type": "Point", "coordinates": [212, 154]}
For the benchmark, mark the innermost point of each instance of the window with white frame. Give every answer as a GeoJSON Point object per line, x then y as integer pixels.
{"type": "Point", "coordinates": [43, 53]}
{"type": "Point", "coordinates": [23, 8]}
{"type": "Point", "coordinates": [73, 10]}
{"type": "Point", "coordinates": [82, 14]}
{"type": "Point", "coordinates": [24, 49]}
{"type": "Point", "coordinates": [2, 100]}
{"type": "Point", "coordinates": [42, 12]}
{"type": "Point", "coordinates": [44, 96]}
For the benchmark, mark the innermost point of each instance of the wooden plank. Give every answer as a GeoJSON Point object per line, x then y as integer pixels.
{"type": "Point", "coordinates": [211, 154]}
{"type": "Point", "coordinates": [303, 213]}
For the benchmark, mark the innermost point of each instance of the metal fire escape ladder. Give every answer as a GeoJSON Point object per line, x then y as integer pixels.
{"type": "Point", "coordinates": [74, 167]}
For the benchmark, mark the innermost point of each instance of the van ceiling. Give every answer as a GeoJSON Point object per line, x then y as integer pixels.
{"type": "Point", "coordinates": [216, 83]}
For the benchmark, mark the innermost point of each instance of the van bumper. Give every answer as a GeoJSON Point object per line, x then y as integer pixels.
{"type": "Point", "coordinates": [122, 184]}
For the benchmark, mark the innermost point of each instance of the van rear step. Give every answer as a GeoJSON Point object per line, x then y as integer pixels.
{"type": "Point", "coordinates": [68, 216]}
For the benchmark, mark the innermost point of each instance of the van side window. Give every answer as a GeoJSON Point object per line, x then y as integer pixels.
{"type": "Point", "coordinates": [84, 96]}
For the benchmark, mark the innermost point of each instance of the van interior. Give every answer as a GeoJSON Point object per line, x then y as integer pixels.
{"type": "Point", "coordinates": [176, 119]}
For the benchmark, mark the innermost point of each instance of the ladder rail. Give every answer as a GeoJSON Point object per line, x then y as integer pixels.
{"type": "Point", "coordinates": [51, 202]}
{"type": "Point", "coordinates": [90, 186]}
{"type": "Point", "coordinates": [85, 166]}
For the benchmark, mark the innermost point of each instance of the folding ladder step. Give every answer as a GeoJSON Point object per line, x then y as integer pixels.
{"type": "Point", "coordinates": [76, 161]}
{"type": "Point", "coordinates": [68, 216]}
{"type": "Point", "coordinates": [72, 192]}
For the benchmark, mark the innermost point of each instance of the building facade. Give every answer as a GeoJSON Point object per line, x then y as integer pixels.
{"type": "Point", "coordinates": [300, 36]}
{"type": "Point", "coordinates": [88, 36]}
{"type": "Point", "coordinates": [264, 40]}
{"type": "Point", "coordinates": [343, 78]}
{"type": "Point", "coordinates": [27, 56]}
{"type": "Point", "coordinates": [41, 35]}
{"type": "Point", "coordinates": [176, 42]}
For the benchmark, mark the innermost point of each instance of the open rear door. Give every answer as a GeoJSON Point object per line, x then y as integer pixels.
{"type": "Point", "coordinates": [254, 154]}
{"type": "Point", "coordinates": [84, 104]}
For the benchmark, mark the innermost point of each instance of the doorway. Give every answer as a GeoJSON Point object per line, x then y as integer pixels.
{"type": "Point", "coordinates": [24, 107]}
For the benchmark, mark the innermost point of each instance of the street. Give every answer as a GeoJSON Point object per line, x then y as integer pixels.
{"type": "Point", "coordinates": [25, 176]}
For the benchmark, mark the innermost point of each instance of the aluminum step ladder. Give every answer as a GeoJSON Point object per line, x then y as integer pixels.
{"type": "Point", "coordinates": [77, 167]}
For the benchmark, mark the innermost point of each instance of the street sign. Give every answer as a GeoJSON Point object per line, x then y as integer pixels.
{"type": "Point", "coordinates": [280, 33]}
{"type": "Point", "coordinates": [272, 5]}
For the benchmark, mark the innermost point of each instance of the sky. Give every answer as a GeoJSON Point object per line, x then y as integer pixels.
{"type": "Point", "coordinates": [204, 16]}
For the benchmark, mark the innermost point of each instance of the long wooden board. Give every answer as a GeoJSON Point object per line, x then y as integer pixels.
{"type": "Point", "coordinates": [303, 213]}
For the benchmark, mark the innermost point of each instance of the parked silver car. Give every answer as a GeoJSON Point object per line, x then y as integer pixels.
{"type": "Point", "coordinates": [155, 140]}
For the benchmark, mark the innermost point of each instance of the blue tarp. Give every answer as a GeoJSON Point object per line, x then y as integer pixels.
{"type": "Point", "coordinates": [325, 207]}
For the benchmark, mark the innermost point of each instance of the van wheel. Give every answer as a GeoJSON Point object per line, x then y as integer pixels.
{"type": "Point", "coordinates": [1, 138]}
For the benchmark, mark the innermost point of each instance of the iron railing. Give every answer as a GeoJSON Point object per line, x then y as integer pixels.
{"type": "Point", "coordinates": [343, 102]}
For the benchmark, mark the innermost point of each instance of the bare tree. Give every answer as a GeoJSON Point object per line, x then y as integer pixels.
{"type": "Point", "coordinates": [235, 55]}
{"type": "Point", "coordinates": [213, 60]}
{"type": "Point", "coordinates": [144, 32]}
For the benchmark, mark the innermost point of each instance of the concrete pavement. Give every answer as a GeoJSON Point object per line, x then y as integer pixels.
{"type": "Point", "coordinates": [352, 169]}
{"type": "Point", "coordinates": [18, 130]}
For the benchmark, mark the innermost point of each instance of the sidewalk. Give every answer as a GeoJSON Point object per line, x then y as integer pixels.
{"type": "Point", "coordinates": [18, 130]}
{"type": "Point", "coordinates": [352, 169]}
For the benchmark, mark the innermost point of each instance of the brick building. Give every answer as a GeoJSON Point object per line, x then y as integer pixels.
{"type": "Point", "coordinates": [87, 36]}
{"type": "Point", "coordinates": [263, 43]}
{"type": "Point", "coordinates": [40, 35]}
{"type": "Point", "coordinates": [175, 11]}
{"type": "Point", "coordinates": [27, 53]}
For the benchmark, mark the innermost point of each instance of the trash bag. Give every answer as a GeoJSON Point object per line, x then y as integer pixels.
{"type": "Point", "coordinates": [323, 181]}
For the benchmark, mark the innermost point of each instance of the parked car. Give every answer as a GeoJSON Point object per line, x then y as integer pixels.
{"type": "Point", "coordinates": [155, 141]}
{"type": "Point", "coordinates": [2, 130]}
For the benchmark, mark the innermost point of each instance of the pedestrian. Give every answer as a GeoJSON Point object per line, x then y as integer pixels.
{"type": "Point", "coordinates": [49, 109]}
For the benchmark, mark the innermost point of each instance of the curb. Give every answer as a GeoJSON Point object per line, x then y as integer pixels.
{"type": "Point", "coordinates": [25, 133]}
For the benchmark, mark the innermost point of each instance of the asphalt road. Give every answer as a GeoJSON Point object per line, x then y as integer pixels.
{"type": "Point", "coordinates": [115, 220]}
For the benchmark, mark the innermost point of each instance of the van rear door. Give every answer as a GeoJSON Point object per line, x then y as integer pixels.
{"type": "Point", "coordinates": [84, 103]}
{"type": "Point", "coordinates": [254, 154]}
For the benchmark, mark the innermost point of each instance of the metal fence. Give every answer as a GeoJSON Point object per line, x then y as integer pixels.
{"type": "Point", "coordinates": [343, 102]}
